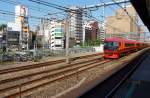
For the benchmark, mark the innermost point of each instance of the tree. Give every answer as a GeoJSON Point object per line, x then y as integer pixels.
{"type": "Point", "coordinates": [33, 37]}
{"type": "Point", "coordinates": [2, 27]}
{"type": "Point", "coordinates": [93, 43]}
{"type": "Point", "coordinates": [98, 41]}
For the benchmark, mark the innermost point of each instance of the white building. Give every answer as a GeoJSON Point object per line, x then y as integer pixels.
{"type": "Point", "coordinates": [12, 26]}
{"type": "Point", "coordinates": [54, 35]}
{"type": "Point", "coordinates": [76, 24]}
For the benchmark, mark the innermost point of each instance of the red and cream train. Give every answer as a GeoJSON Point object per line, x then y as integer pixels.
{"type": "Point", "coordinates": [117, 47]}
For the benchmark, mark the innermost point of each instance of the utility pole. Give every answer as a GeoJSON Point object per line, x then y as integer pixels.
{"type": "Point", "coordinates": [42, 31]}
{"type": "Point", "coordinates": [104, 21]}
{"type": "Point", "coordinates": [28, 33]}
{"type": "Point", "coordinates": [103, 34]}
{"type": "Point", "coordinates": [21, 33]}
{"type": "Point", "coordinates": [84, 27]}
{"type": "Point", "coordinates": [67, 38]}
{"type": "Point", "coordinates": [27, 40]}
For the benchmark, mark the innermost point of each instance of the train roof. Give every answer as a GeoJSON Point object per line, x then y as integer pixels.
{"type": "Point", "coordinates": [113, 39]}
{"type": "Point", "coordinates": [121, 39]}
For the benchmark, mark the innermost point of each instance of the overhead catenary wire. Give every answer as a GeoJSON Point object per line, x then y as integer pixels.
{"type": "Point", "coordinates": [50, 5]}
{"type": "Point", "coordinates": [9, 13]}
{"type": "Point", "coordinates": [108, 6]}
{"type": "Point", "coordinates": [121, 8]}
{"type": "Point", "coordinates": [92, 17]}
{"type": "Point", "coordinates": [34, 8]}
{"type": "Point", "coordinates": [69, 11]}
{"type": "Point", "coordinates": [65, 9]}
{"type": "Point", "coordinates": [124, 9]}
{"type": "Point", "coordinates": [57, 6]}
{"type": "Point", "coordinates": [13, 14]}
{"type": "Point", "coordinates": [102, 22]}
{"type": "Point", "coordinates": [4, 12]}
{"type": "Point", "coordinates": [113, 11]}
{"type": "Point", "coordinates": [47, 4]}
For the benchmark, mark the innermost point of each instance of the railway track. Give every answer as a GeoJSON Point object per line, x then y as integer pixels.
{"type": "Point", "coordinates": [13, 87]}
{"type": "Point", "coordinates": [26, 67]}
{"type": "Point", "coordinates": [128, 71]}
{"type": "Point", "coordinates": [109, 87]}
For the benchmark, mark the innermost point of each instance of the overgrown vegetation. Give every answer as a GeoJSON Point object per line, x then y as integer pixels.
{"type": "Point", "coordinates": [2, 27]}
{"type": "Point", "coordinates": [90, 43]}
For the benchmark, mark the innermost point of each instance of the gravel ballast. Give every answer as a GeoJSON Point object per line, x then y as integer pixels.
{"type": "Point", "coordinates": [69, 87]}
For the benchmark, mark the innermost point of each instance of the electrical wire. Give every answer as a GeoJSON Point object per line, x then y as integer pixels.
{"type": "Point", "coordinates": [50, 5]}
{"type": "Point", "coordinates": [34, 8]}
{"type": "Point", "coordinates": [126, 13]}
{"type": "Point", "coordinates": [58, 7]}
{"type": "Point", "coordinates": [13, 14]}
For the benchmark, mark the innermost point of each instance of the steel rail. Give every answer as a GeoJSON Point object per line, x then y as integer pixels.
{"type": "Point", "coordinates": [69, 73]}
{"type": "Point", "coordinates": [41, 72]}
{"type": "Point", "coordinates": [126, 76]}
{"type": "Point", "coordinates": [5, 81]}
{"type": "Point", "coordinates": [31, 66]}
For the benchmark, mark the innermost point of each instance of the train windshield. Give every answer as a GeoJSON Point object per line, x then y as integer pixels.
{"type": "Point", "coordinates": [111, 45]}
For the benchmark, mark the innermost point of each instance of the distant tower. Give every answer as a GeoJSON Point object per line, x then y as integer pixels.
{"type": "Point", "coordinates": [21, 18]}
{"type": "Point", "coordinates": [76, 24]}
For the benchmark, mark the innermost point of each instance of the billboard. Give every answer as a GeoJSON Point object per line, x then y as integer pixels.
{"type": "Point", "coordinates": [20, 10]}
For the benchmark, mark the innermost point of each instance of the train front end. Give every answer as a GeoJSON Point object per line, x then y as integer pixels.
{"type": "Point", "coordinates": [111, 49]}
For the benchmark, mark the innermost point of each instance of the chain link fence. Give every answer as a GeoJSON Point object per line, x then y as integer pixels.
{"type": "Point", "coordinates": [36, 55]}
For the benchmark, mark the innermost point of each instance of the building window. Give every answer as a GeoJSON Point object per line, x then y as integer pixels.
{"type": "Point", "coordinates": [58, 26]}
{"type": "Point", "coordinates": [58, 45]}
{"type": "Point", "coordinates": [58, 30]}
{"type": "Point", "coordinates": [58, 34]}
{"type": "Point", "coordinates": [58, 37]}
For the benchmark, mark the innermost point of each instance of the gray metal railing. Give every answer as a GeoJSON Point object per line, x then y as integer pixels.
{"type": "Point", "coordinates": [35, 55]}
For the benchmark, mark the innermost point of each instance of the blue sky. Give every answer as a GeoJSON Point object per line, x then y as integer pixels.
{"type": "Point", "coordinates": [42, 11]}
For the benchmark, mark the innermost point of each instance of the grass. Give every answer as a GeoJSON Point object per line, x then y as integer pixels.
{"type": "Point", "coordinates": [7, 63]}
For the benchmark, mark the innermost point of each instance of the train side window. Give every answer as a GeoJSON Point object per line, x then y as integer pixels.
{"type": "Point", "coordinates": [138, 44]}
{"type": "Point", "coordinates": [116, 44]}
{"type": "Point", "coordinates": [119, 43]}
{"type": "Point", "coordinates": [128, 44]}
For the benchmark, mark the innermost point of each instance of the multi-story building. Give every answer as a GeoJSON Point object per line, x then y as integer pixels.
{"type": "Point", "coordinates": [76, 24]}
{"type": "Point", "coordinates": [123, 24]}
{"type": "Point", "coordinates": [57, 35]}
{"type": "Point", "coordinates": [20, 25]}
{"type": "Point", "coordinates": [12, 39]}
{"type": "Point", "coordinates": [91, 31]}
{"type": "Point", "coordinates": [54, 34]}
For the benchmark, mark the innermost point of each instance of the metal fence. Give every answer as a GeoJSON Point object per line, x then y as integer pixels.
{"type": "Point", "coordinates": [35, 55]}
